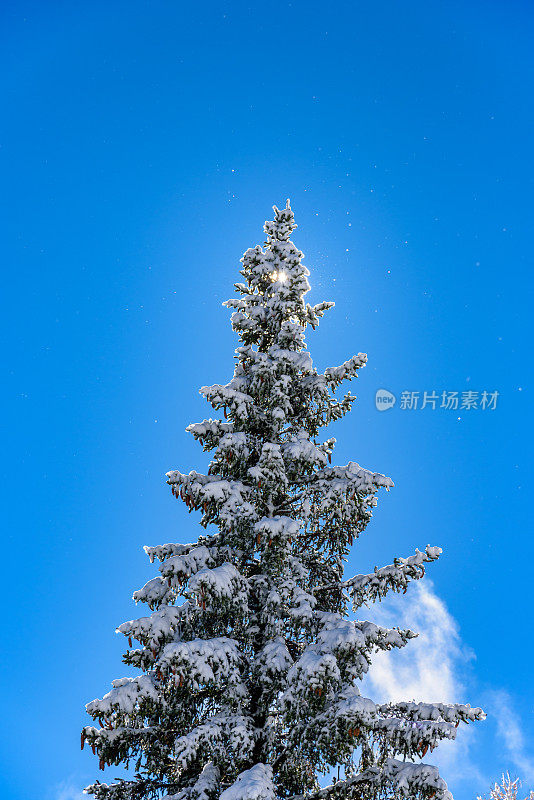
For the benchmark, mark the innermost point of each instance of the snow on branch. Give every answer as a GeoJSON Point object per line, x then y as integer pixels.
{"type": "Point", "coordinates": [182, 567]}
{"type": "Point", "coordinates": [272, 662]}
{"type": "Point", "coordinates": [301, 452]}
{"type": "Point", "coordinates": [229, 498]}
{"type": "Point", "coordinates": [206, 787]}
{"type": "Point", "coordinates": [154, 593]}
{"type": "Point", "coordinates": [216, 736]}
{"type": "Point", "coordinates": [252, 784]}
{"type": "Point", "coordinates": [342, 498]}
{"type": "Point", "coordinates": [394, 779]}
{"type": "Point", "coordinates": [157, 628]}
{"type": "Point", "coordinates": [222, 584]}
{"type": "Point", "coordinates": [445, 712]}
{"type": "Point", "coordinates": [201, 662]}
{"type": "Point", "coordinates": [277, 528]}
{"type": "Point", "coordinates": [226, 396]}
{"type": "Point", "coordinates": [396, 576]}
{"type": "Point", "coordinates": [349, 369]}
{"type": "Point", "coordinates": [349, 478]}
{"type": "Point", "coordinates": [126, 695]}
{"type": "Point", "coordinates": [352, 641]}
{"type": "Point", "coordinates": [164, 551]}
{"type": "Point", "coordinates": [314, 313]}
{"type": "Point", "coordinates": [415, 738]}
{"type": "Point", "coordinates": [210, 431]}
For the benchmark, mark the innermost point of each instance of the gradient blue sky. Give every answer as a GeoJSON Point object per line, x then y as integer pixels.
{"type": "Point", "coordinates": [142, 146]}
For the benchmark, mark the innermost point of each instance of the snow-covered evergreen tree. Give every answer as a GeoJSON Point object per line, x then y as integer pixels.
{"type": "Point", "coordinates": [248, 687]}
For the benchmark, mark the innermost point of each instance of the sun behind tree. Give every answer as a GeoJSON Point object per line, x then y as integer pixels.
{"type": "Point", "coordinates": [249, 688]}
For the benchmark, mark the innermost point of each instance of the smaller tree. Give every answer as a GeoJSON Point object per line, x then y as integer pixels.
{"type": "Point", "coordinates": [507, 790]}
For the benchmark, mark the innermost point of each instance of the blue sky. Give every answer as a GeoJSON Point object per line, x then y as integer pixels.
{"type": "Point", "coordinates": [142, 147]}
